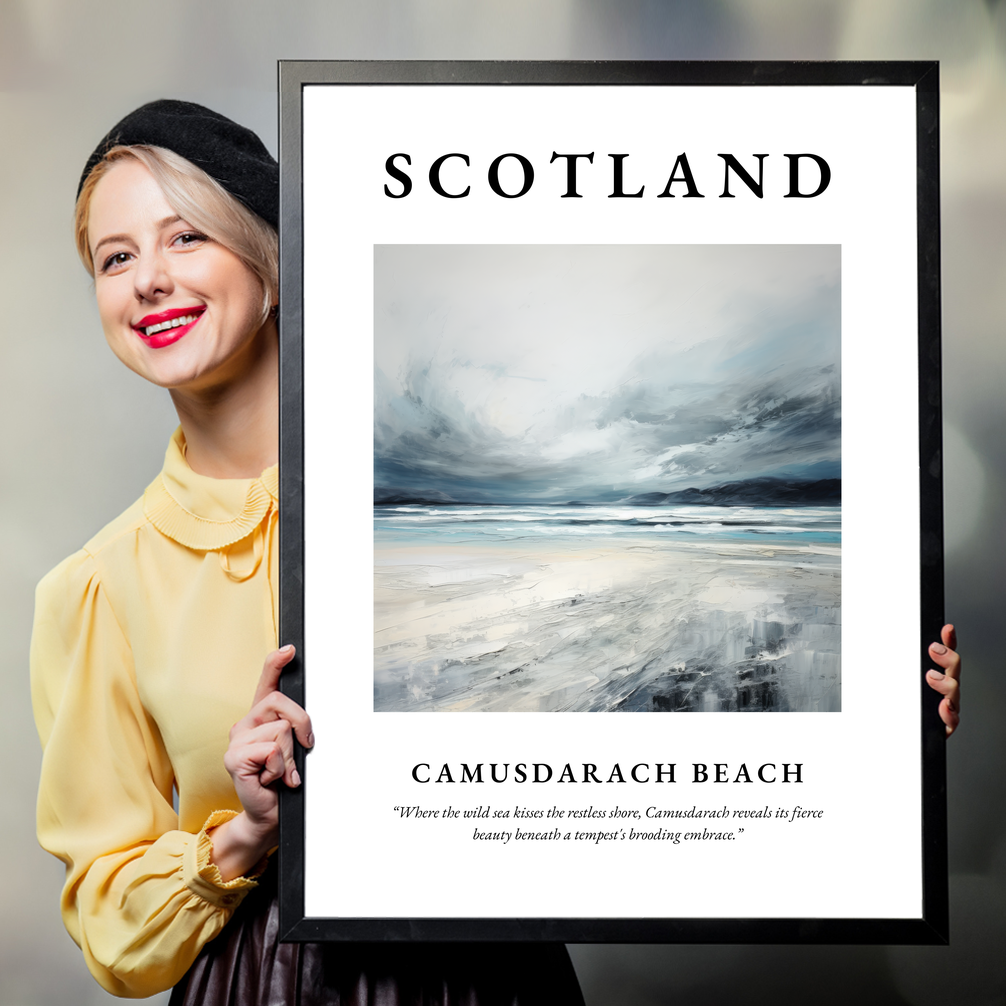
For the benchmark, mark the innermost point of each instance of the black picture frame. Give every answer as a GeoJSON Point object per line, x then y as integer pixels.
{"type": "Point", "coordinates": [930, 926]}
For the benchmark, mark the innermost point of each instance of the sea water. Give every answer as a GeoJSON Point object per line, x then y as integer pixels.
{"type": "Point", "coordinates": [607, 608]}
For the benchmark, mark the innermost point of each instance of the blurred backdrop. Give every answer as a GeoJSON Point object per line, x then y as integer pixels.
{"type": "Point", "coordinates": [83, 437]}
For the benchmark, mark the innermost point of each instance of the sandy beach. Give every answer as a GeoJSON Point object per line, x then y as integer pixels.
{"type": "Point", "coordinates": [655, 626]}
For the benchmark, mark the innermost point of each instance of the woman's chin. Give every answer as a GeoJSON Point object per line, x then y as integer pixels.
{"type": "Point", "coordinates": [197, 365]}
{"type": "Point", "coordinates": [172, 374]}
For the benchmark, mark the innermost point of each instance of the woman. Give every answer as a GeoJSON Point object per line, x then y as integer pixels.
{"type": "Point", "coordinates": [148, 643]}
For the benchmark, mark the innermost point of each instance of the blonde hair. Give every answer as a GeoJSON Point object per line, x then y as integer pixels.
{"type": "Point", "coordinates": [199, 200]}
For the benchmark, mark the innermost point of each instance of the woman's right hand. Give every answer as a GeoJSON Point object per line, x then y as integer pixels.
{"type": "Point", "coordinates": [259, 754]}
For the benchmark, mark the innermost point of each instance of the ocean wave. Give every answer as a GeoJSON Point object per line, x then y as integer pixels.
{"type": "Point", "coordinates": [818, 524]}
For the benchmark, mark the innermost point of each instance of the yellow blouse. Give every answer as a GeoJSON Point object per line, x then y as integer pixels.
{"type": "Point", "coordinates": [147, 647]}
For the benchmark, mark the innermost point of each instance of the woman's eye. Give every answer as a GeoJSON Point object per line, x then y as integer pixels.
{"type": "Point", "coordinates": [114, 261]}
{"type": "Point", "coordinates": [190, 238]}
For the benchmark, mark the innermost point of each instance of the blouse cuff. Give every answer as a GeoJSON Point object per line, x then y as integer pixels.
{"type": "Point", "coordinates": [202, 876]}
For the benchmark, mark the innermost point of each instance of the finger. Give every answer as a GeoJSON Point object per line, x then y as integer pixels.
{"type": "Point", "coordinates": [273, 767]}
{"type": "Point", "coordinates": [271, 670]}
{"type": "Point", "coordinates": [949, 708]}
{"type": "Point", "coordinates": [276, 706]}
{"type": "Point", "coordinates": [277, 732]}
{"type": "Point", "coordinates": [948, 659]}
{"type": "Point", "coordinates": [950, 716]}
{"type": "Point", "coordinates": [949, 636]}
{"type": "Point", "coordinates": [262, 761]}
{"type": "Point", "coordinates": [944, 684]}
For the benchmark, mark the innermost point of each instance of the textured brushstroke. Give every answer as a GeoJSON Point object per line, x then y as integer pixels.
{"type": "Point", "coordinates": [607, 478]}
{"type": "Point", "coordinates": [613, 608]}
{"type": "Point", "coordinates": [522, 374]}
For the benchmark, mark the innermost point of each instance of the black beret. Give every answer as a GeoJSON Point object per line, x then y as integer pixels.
{"type": "Point", "coordinates": [231, 154]}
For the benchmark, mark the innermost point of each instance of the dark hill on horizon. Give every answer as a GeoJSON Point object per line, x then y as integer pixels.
{"type": "Point", "coordinates": [764, 491]}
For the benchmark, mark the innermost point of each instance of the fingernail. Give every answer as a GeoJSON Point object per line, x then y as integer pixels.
{"type": "Point", "coordinates": [295, 777]}
{"type": "Point", "coordinates": [310, 740]}
{"type": "Point", "coordinates": [938, 648]}
{"type": "Point", "coordinates": [936, 675]}
{"type": "Point", "coordinates": [287, 649]}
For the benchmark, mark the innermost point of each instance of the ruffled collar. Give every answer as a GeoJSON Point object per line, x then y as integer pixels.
{"type": "Point", "coordinates": [203, 513]}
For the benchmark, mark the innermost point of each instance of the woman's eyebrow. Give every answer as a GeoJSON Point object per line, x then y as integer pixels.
{"type": "Point", "coordinates": [109, 240]}
{"type": "Point", "coordinates": [160, 225]}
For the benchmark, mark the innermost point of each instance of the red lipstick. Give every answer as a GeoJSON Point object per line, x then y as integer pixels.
{"type": "Point", "coordinates": [166, 327]}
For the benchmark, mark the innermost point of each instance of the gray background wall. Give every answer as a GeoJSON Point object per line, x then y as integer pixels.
{"type": "Point", "coordinates": [82, 436]}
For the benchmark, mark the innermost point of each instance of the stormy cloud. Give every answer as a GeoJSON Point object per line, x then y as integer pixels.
{"type": "Point", "coordinates": [551, 373]}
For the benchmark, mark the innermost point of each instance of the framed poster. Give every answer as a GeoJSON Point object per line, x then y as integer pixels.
{"type": "Point", "coordinates": [611, 501]}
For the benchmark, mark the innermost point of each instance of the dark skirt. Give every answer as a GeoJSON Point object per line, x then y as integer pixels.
{"type": "Point", "coordinates": [246, 965]}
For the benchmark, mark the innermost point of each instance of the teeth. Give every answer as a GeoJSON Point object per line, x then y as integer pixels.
{"type": "Point", "coordinates": [174, 323]}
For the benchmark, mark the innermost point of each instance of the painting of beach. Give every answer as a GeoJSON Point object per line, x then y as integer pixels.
{"type": "Point", "coordinates": [607, 478]}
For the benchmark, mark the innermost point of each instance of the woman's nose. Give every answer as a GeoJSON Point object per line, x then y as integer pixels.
{"type": "Point", "coordinates": [152, 277]}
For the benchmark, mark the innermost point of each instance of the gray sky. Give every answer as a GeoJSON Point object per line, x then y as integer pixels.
{"type": "Point", "coordinates": [558, 372]}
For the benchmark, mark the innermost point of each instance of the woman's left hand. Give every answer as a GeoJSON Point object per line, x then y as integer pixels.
{"type": "Point", "coordinates": [948, 681]}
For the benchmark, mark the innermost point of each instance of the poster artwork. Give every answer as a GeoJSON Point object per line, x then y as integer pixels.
{"type": "Point", "coordinates": [607, 478]}
{"type": "Point", "coordinates": [594, 373]}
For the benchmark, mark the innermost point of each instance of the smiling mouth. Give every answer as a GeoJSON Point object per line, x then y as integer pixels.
{"type": "Point", "coordinates": [167, 327]}
{"type": "Point", "coordinates": [165, 324]}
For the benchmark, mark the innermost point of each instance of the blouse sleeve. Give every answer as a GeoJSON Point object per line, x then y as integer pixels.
{"type": "Point", "coordinates": [141, 898]}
